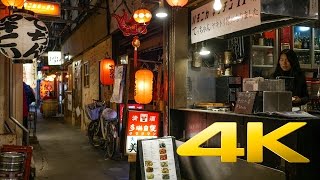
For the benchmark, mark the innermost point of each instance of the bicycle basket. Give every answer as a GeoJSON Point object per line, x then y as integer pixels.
{"type": "Point", "coordinates": [109, 114]}
{"type": "Point", "coordinates": [93, 110]}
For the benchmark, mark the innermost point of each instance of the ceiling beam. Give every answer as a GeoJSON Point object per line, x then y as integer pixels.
{"type": "Point", "coordinates": [55, 20]}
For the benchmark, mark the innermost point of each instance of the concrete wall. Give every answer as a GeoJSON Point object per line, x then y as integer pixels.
{"type": "Point", "coordinates": [93, 57]}
{"type": "Point", "coordinates": [16, 98]}
{"type": "Point", "coordinates": [88, 44]}
{"type": "Point", "coordinates": [4, 76]}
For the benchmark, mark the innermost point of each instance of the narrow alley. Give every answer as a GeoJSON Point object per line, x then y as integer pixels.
{"type": "Point", "coordinates": [63, 152]}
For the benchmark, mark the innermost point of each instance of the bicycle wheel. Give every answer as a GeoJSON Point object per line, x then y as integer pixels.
{"type": "Point", "coordinates": [93, 133]}
{"type": "Point", "coordinates": [111, 139]}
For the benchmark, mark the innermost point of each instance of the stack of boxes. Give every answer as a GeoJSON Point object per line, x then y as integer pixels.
{"type": "Point", "coordinates": [271, 94]}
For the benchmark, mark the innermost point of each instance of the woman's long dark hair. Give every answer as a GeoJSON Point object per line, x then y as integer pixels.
{"type": "Point", "coordinates": [294, 62]}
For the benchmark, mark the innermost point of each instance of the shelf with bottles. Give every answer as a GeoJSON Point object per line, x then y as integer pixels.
{"type": "Point", "coordinates": [262, 47]}
{"type": "Point", "coordinates": [300, 50]}
{"type": "Point", "coordinates": [262, 66]}
{"type": "Point", "coordinates": [262, 53]}
{"type": "Point", "coordinates": [263, 40]}
{"type": "Point", "coordinates": [262, 58]}
{"type": "Point", "coordinates": [302, 37]}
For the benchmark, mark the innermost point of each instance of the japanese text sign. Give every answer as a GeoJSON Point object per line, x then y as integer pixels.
{"type": "Point", "coordinates": [141, 125]}
{"type": "Point", "coordinates": [54, 58]}
{"type": "Point", "coordinates": [206, 23]}
{"type": "Point", "coordinates": [43, 7]}
{"type": "Point", "coordinates": [130, 106]}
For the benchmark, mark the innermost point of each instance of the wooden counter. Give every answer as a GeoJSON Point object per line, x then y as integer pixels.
{"type": "Point", "coordinates": [185, 123]}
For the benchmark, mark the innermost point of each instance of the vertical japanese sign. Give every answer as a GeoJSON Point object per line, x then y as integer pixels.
{"type": "Point", "coordinates": [141, 125]}
{"type": "Point", "coordinates": [235, 15]}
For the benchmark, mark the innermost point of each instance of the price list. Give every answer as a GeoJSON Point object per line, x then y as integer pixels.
{"type": "Point", "coordinates": [158, 159]}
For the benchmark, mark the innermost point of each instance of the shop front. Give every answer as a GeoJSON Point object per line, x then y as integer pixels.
{"type": "Point", "coordinates": [245, 40]}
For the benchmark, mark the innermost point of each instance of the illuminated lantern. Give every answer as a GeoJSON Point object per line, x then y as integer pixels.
{"type": "Point", "coordinates": [177, 3]}
{"type": "Point", "coordinates": [15, 3]}
{"type": "Point", "coordinates": [107, 71]}
{"type": "Point", "coordinates": [23, 37]}
{"type": "Point", "coordinates": [142, 16]}
{"type": "Point", "coordinates": [143, 86]}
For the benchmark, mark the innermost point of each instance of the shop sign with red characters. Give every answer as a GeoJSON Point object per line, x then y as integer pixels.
{"type": "Point", "coordinates": [141, 125]}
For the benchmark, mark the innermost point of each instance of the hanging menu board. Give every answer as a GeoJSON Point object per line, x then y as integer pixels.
{"type": "Point", "coordinates": [157, 159]}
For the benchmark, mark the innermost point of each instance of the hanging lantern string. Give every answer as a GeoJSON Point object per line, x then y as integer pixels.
{"type": "Point", "coordinates": [144, 64]}
{"type": "Point", "coordinates": [107, 56]}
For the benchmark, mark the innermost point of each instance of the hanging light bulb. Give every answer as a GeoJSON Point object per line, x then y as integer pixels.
{"type": "Point", "coordinates": [217, 5]}
{"type": "Point", "coordinates": [161, 12]}
{"type": "Point", "coordinates": [204, 51]}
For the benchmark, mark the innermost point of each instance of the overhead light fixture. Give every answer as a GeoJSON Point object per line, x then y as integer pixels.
{"type": "Point", "coordinates": [303, 28]}
{"type": "Point", "coordinates": [161, 12]}
{"type": "Point", "coordinates": [217, 5]}
{"type": "Point", "coordinates": [204, 51]}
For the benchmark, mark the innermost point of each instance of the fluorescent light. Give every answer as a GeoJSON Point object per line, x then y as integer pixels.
{"type": "Point", "coordinates": [204, 51]}
{"type": "Point", "coordinates": [161, 12]}
{"type": "Point", "coordinates": [302, 28]}
{"type": "Point", "coordinates": [217, 5]}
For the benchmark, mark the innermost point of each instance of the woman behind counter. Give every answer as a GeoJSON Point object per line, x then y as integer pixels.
{"type": "Point", "coordinates": [288, 66]}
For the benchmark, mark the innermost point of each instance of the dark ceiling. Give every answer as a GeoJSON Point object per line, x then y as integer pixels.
{"type": "Point", "coordinates": [73, 13]}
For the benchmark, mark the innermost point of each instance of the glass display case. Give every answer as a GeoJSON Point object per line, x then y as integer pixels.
{"type": "Point", "coordinates": [263, 53]}
{"type": "Point", "coordinates": [316, 47]}
{"type": "Point", "coordinates": [302, 44]}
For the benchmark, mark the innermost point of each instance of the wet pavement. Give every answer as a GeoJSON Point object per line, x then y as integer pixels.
{"type": "Point", "coordinates": [62, 152]}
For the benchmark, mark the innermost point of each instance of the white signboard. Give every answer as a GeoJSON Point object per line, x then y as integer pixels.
{"type": "Point", "coordinates": [54, 58]}
{"type": "Point", "coordinates": [70, 102]}
{"type": "Point", "coordinates": [234, 15]}
{"type": "Point", "coordinates": [313, 8]}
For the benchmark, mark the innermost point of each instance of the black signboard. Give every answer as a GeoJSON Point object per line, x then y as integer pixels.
{"type": "Point", "coordinates": [245, 101]}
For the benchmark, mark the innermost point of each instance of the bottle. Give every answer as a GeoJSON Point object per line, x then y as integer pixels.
{"type": "Point", "coordinates": [269, 58]}
{"type": "Point", "coordinates": [296, 40]}
{"type": "Point", "coordinates": [316, 43]}
{"type": "Point", "coordinates": [261, 40]}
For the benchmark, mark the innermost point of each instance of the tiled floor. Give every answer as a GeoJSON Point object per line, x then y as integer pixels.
{"type": "Point", "coordinates": [63, 153]}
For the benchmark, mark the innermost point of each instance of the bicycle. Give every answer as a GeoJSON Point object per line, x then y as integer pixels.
{"type": "Point", "coordinates": [102, 130]}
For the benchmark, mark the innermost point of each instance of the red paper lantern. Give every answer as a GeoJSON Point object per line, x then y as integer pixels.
{"type": "Point", "coordinates": [143, 86]}
{"type": "Point", "coordinates": [142, 15]}
{"type": "Point", "coordinates": [107, 71]}
{"type": "Point", "coordinates": [15, 3]}
{"type": "Point", "coordinates": [177, 3]}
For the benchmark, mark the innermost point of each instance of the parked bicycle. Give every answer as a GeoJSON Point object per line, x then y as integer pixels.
{"type": "Point", "coordinates": [102, 130]}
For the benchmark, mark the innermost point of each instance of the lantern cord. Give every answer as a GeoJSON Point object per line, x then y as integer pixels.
{"type": "Point", "coordinates": [107, 56]}
{"type": "Point", "coordinates": [135, 58]}
{"type": "Point", "coordinates": [144, 64]}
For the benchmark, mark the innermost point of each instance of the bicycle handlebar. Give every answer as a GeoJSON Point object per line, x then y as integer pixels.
{"type": "Point", "coordinates": [97, 100]}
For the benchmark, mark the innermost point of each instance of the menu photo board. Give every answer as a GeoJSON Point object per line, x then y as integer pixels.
{"type": "Point", "coordinates": [141, 125]}
{"type": "Point", "coordinates": [157, 159]}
